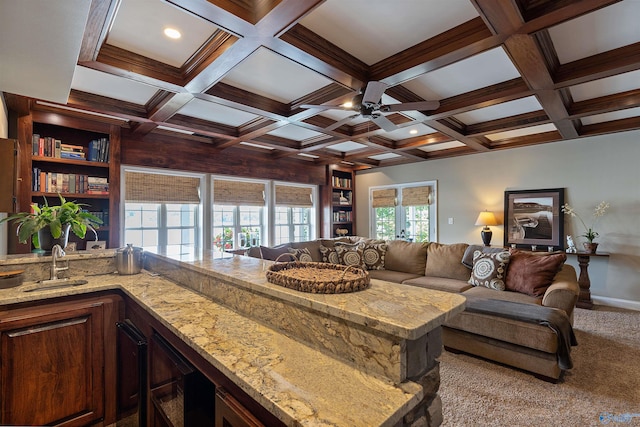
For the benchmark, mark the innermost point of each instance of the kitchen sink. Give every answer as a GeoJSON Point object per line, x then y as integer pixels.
{"type": "Point", "coordinates": [53, 284]}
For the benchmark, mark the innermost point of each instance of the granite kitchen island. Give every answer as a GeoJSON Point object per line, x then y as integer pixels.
{"type": "Point", "coordinates": [361, 359]}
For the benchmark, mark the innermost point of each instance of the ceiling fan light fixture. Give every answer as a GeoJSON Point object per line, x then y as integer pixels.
{"type": "Point", "coordinates": [348, 104]}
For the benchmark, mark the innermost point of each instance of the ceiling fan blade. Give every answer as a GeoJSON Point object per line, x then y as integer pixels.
{"type": "Point", "coordinates": [384, 123]}
{"type": "Point", "coordinates": [339, 123]}
{"type": "Point", "coordinates": [325, 107]}
{"type": "Point", "coordinates": [373, 92]}
{"type": "Point", "coordinates": [411, 106]}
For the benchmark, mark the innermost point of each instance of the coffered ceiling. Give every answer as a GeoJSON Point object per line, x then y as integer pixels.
{"type": "Point", "coordinates": [506, 73]}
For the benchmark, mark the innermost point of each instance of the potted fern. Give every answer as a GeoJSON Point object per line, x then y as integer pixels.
{"type": "Point", "coordinates": [48, 225]}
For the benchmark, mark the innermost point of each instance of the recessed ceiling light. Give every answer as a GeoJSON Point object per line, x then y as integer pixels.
{"type": "Point", "coordinates": [413, 131]}
{"type": "Point", "coordinates": [172, 33]}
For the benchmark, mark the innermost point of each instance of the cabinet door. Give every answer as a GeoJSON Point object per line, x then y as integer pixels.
{"type": "Point", "coordinates": [51, 365]}
{"type": "Point", "coordinates": [8, 174]}
{"type": "Point", "coordinates": [230, 413]}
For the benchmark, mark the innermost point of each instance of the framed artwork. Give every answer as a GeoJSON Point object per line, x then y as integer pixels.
{"type": "Point", "coordinates": [534, 218]}
{"type": "Point", "coordinates": [96, 245]}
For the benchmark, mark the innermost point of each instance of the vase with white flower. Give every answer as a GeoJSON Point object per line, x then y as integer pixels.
{"type": "Point", "coordinates": [590, 233]}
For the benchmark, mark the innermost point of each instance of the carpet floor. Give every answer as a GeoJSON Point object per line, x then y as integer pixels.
{"type": "Point", "coordinates": [602, 388]}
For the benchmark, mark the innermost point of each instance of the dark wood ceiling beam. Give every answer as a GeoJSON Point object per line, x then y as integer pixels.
{"type": "Point", "coordinates": [606, 64]}
{"type": "Point", "coordinates": [332, 94]}
{"type": "Point", "coordinates": [480, 98]}
{"type": "Point", "coordinates": [104, 105]}
{"type": "Point", "coordinates": [203, 127]}
{"type": "Point", "coordinates": [549, 13]}
{"type": "Point", "coordinates": [446, 128]}
{"type": "Point", "coordinates": [141, 65]}
{"type": "Point", "coordinates": [252, 134]}
{"type": "Point", "coordinates": [419, 141]}
{"type": "Point", "coordinates": [605, 104]}
{"type": "Point", "coordinates": [508, 123]}
{"type": "Point", "coordinates": [199, 63]}
{"type": "Point", "coordinates": [166, 104]}
{"type": "Point", "coordinates": [316, 53]}
{"type": "Point", "coordinates": [622, 125]}
{"type": "Point", "coordinates": [451, 46]}
{"type": "Point", "coordinates": [523, 141]}
{"type": "Point", "coordinates": [250, 102]}
{"type": "Point", "coordinates": [101, 13]}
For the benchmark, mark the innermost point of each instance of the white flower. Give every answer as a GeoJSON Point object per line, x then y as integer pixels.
{"type": "Point", "coordinates": [598, 212]}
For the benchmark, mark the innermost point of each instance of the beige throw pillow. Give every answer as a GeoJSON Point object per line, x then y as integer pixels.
{"type": "Point", "coordinates": [446, 261]}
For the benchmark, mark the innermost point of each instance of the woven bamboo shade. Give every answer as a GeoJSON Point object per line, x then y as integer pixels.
{"type": "Point", "coordinates": [416, 196]}
{"type": "Point", "coordinates": [384, 198]}
{"type": "Point", "coordinates": [287, 195]}
{"type": "Point", "coordinates": [157, 188]}
{"type": "Point", "coordinates": [238, 193]}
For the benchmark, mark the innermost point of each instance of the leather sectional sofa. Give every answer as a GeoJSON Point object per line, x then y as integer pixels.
{"type": "Point", "coordinates": [510, 326]}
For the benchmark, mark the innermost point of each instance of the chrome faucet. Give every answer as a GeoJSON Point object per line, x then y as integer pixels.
{"type": "Point", "coordinates": [56, 253]}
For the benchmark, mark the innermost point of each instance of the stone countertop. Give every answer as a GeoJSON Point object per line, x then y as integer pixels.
{"type": "Point", "coordinates": [408, 312]}
{"type": "Point", "coordinates": [299, 385]}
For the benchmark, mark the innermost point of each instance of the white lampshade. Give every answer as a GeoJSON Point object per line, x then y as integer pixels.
{"type": "Point", "coordinates": [486, 218]}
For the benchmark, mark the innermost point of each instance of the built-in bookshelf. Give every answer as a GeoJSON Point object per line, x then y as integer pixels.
{"type": "Point", "coordinates": [342, 211]}
{"type": "Point", "coordinates": [73, 158]}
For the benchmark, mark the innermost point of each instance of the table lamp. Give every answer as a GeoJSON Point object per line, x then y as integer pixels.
{"type": "Point", "coordinates": [486, 219]}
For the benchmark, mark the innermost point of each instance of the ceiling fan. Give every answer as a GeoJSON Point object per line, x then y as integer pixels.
{"type": "Point", "coordinates": [369, 105]}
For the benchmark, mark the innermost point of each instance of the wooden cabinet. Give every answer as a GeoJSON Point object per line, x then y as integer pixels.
{"type": "Point", "coordinates": [57, 363]}
{"type": "Point", "coordinates": [230, 413]}
{"type": "Point", "coordinates": [8, 174]}
{"type": "Point", "coordinates": [339, 203]}
{"type": "Point", "coordinates": [76, 158]}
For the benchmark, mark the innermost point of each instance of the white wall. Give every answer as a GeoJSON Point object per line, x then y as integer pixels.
{"type": "Point", "coordinates": [4, 132]}
{"type": "Point", "coordinates": [590, 169]}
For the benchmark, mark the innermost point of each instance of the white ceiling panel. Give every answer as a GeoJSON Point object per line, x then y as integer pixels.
{"type": "Point", "coordinates": [441, 146]}
{"type": "Point", "coordinates": [606, 86]}
{"type": "Point", "coordinates": [499, 111]}
{"type": "Point", "coordinates": [39, 46]}
{"type": "Point", "coordinates": [385, 156]}
{"type": "Point", "coordinates": [603, 30]}
{"type": "Point", "coordinates": [531, 130]}
{"type": "Point", "coordinates": [275, 77]}
{"type": "Point", "coordinates": [139, 31]}
{"type": "Point", "coordinates": [614, 115]}
{"type": "Point", "coordinates": [490, 67]}
{"type": "Point", "coordinates": [347, 146]}
{"type": "Point", "coordinates": [88, 80]}
{"type": "Point", "coordinates": [349, 24]}
{"type": "Point", "coordinates": [294, 132]}
{"type": "Point", "coordinates": [217, 113]}
{"type": "Point", "coordinates": [406, 132]}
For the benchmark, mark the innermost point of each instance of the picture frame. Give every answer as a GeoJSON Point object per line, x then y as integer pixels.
{"type": "Point", "coordinates": [96, 245]}
{"type": "Point", "coordinates": [534, 219]}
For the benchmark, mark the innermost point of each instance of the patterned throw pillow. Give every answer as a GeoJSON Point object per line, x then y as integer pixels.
{"type": "Point", "coordinates": [489, 269]}
{"type": "Point", "coordinates": [302, 254]}
{"type": "Point", "coordinates": [351, 254]}
{"type": "Point", "coordinates": [373, 255]}
{"type": "Point", "coordinates": [329, 255]}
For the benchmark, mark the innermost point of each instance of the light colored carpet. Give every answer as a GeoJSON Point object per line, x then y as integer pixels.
{"type": "Point", "coordinates": [605, 379]}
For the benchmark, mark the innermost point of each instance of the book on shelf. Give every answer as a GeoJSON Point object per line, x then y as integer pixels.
{"type": "Point", "coordinates": [54, 182]}
{"type": "Point", "coordinates": [341, 182]}
{"type": "Point", "coordinates": [47, 146]}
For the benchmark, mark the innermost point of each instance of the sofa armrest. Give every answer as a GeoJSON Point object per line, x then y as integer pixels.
{"type": "Point", "coordinates": [563, 292]}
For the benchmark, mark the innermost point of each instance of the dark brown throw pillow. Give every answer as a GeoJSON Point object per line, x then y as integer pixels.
{"type": "Point", "coordinates": [273, 253]}
{"type": "Point", "coordinates": [531, 273]}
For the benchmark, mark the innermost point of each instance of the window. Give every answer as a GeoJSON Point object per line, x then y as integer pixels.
{"type": "Point", "coordinates": [238, 214]}
{"type": "Point", "coordinates": [162, 212]}
{"type": "Point", "coordinates": [404, 212]}
{"type": "Point", "coordinates": [293, 213]}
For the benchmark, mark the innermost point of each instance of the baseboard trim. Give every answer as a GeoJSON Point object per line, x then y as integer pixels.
{"type": "Point", "coordinates": [616, 302]}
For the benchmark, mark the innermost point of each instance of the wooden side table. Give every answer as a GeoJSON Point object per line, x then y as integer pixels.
{"type": "Point", "coordinates": [584, 299]}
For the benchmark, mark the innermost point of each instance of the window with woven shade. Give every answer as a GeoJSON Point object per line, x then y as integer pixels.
{"type": "Point", "coordinates": [404, 211]}
{"type": "Point", "coordinates": [294, 214]}
{"type": "Point", "coordinates": [238, 215]}
{"type": "Point", "coordinates": [162, 211]}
